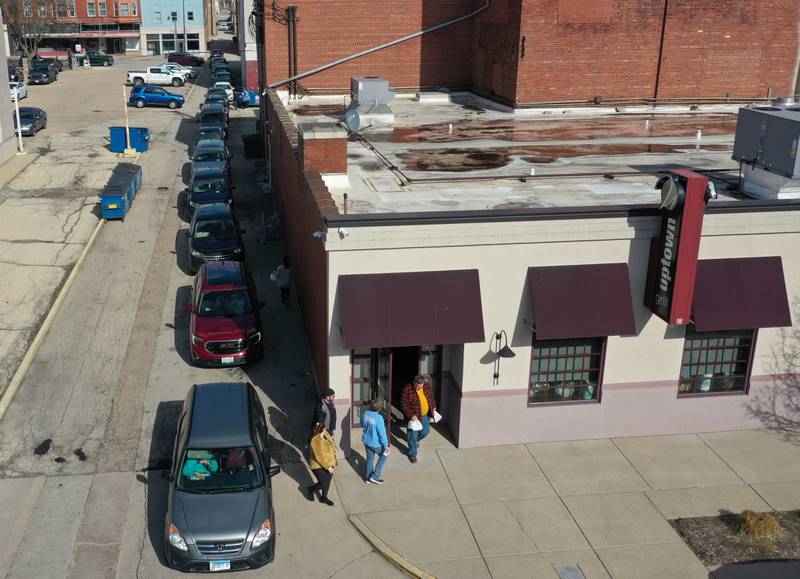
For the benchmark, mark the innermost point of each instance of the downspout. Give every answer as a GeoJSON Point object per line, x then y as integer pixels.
{"type": "Point", "coordinates": [294, 50]}
{"type": "Point", "coordinates": [796, 80]}
{"type": "Point", "coordinates": [290, 27]}
{"type": "Point", "coordinates": [325, 67]}
{"type": "Point", "coordinates": [660, 51]}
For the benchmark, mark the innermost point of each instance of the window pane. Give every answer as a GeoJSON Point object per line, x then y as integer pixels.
{"type": "Point", "coordinates": [715, 361]}
{"type": "Point", "coordinates": [565, 370]}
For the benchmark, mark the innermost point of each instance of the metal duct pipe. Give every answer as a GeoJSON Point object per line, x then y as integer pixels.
{"type": "Point", "coordinates": [428, 30]}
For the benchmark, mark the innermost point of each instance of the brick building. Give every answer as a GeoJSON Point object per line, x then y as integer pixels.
{"type": "Point", "coordinates": [550, 50]}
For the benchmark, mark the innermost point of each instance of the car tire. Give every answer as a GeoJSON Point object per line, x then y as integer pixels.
{"type": "Point", "coordinates": [106, 63]}
{"type": "Point", "coordinates": [140, 103]}
{"type": "Point", "coordinates": [173, 105]}
{"type": "Point", "coordinates": [44, 125]}
{"type": "Point", "coordinates": [176, 82]}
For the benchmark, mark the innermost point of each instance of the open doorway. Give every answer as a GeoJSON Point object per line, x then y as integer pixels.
{"type": "Point", "coordinates": [405, 365]}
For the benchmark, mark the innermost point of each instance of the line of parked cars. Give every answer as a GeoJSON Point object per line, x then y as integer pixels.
{"type": "Point", "coordinates": [219, 507]}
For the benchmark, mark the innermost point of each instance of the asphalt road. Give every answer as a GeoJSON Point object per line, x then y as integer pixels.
{"type": "Point", "coordinates": [83, 443]}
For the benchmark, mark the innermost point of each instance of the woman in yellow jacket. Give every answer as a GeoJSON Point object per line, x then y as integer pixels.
{"type": "Point", "coordinates": [322, 462]}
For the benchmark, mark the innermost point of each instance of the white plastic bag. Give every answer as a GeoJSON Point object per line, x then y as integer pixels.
{"type": "Point", "coordinates": [436, 416]}
{"type": "Point", "coordinates": [414, 425]}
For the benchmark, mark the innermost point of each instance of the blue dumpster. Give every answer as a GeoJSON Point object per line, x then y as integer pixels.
{"type": "Point", "coordinates": [140, 139]}
{"type": "Point", "coordinates": [117, 196]}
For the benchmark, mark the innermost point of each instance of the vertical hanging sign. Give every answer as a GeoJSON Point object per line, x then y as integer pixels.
{"type": "Point", "coordinates": [673, 259]}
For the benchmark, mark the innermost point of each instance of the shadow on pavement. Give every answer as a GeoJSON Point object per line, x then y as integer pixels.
{"type": "Point", "coordinates": [182, 250]}
{"type": "Point", "coordinates": [181, 326]}
{"type": "Point", "coordinates": [758, 570]}
{"type": "Point", "coordinates": [160, 461]}
{"type": "Point", "coordinates": [184, 211]}
{"type": "Point", "coordinates": [284, 453]}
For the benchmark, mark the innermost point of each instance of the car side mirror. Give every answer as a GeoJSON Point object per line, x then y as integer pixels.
{"type": "Point", "coordinates": [168, 475]}
{"type": "Point", "coordinates": [188, 309]}
{"type": "Point", "coordinates": [274, 470]}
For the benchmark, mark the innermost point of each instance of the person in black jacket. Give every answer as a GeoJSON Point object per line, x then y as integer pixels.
{"type": "Point", "coordinates": [325, 411]}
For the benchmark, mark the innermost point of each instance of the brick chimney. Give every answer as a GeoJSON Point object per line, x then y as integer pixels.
{"type": "Point", "coordinates": [323, 148]}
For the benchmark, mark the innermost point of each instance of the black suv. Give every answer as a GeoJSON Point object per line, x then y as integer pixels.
{"type": "Point", "coordinates": [42, 74]}
{"type": "Point", "coordinates": [214, 235]}
{"type": "Point", "coordinates": [219, 510]}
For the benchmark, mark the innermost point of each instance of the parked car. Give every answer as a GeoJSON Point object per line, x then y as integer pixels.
{"type": "Point", "coordinates": [219, 503]}
{"type": "Point", "coordinates": [224, 325]}
{"type": "Point", "coordinates": [217, 60]}
{"type": "Point", "coordinates": [95, 58]}
{"type": "Point", "coordinates": [217, 53]}
{"type": "Point", "coordinates": [15, 74]}
{"type": "Point", "coordinates": [210, 155]}
{"type": "Point", "coordinates": [40, 61]}
{"type": "Point", "coordinates": [214, 115]}
{"type": "Point", "coordinates": [145, 95]}
{"type": "Point", "coordinates": [220, 76]}
{"type": "Point", "coordinates": [18, 91]}
{"type": "Point", "coordinates": [209, 187]}
{"type": "Point", "coordinates": [157, 75]}
{"type": "Point", "coordinates": [214, 235]}
{"type": "Point", "coordinates": [246, 98]}
{"type": "Point", "coordinates": [32, 120]}
{"type": "Point", "coordinates": [227, 87]}
{"type": "Point", "coordinates": [43, 74]}
{"type": "Point", "coordinates": [175, 67]}
{"type": "Point", "coordinates": [224, 26]}
{"type": "Point", "coordinates": [217, 99]}
{"type": "Point", "coordinates": [185, 58]}
{"type": "Point", "coordinates": [207, 133]}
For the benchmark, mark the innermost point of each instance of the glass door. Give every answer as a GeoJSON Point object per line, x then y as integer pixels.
{"type": "Point", "coordinates": [370, 377]}
{"type": "Point", "coordinates": [430, 364]}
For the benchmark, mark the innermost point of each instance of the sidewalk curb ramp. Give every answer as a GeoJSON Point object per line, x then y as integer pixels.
{"type": "Point", "coordinates": [387, 552]}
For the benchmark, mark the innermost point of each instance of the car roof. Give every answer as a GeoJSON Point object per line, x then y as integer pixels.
{"type": "Point", "coordinates": [213, 210]}
{"type": "Point", "coordinates": [213, 144]}
{"type": "Point", "coordinates": [222, 274]}
{"type": "Point", "coordinates": [220, 416]}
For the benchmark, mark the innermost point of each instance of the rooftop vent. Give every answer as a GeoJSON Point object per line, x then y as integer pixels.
{"type": "Point", "coordinates": [370, 97]}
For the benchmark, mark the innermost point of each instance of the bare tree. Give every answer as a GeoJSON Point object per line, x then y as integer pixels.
{"type": "Point", "coordinates": [28, 21]}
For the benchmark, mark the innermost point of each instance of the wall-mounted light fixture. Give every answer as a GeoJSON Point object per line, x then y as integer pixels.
{"type": "Point", "coordinates": [501, 350]}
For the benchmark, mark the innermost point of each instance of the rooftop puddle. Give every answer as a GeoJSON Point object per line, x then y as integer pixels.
{"type": "Point", "coordinates": [463, 160]}
{"type": "Point", "coordinates": [568, 129]}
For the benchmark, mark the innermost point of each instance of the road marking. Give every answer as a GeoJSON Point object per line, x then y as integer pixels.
{"type": "Point", "coordinates": [30, 354]}
{"type": "Point", "coordinates": [21, 525]}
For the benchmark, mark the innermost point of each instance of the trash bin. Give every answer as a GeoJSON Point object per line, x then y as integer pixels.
{"type": "Point", "coordinates": [253, 146]}
{"type": "Point", "coordinates": [140, 139]}
{"type": "Point", "coordinates": [117, 196]}
{"type": "Point", "coordinates": [117, 137]}
{"type": "Point", "coordinates": [129, 176]}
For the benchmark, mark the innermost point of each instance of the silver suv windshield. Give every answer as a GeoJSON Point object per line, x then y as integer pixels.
{"type": "Point", "coordinates": [217, 470]}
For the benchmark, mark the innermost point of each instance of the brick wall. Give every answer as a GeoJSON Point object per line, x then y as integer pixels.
{"type": "Point", "coordinates": [553, 50]}
{"type": "Point", "coordinates": [304, 201]}
{"type": "Point", "coordinates": [327, 31]}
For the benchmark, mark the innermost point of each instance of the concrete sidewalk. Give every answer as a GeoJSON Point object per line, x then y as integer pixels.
{"type": "Point", "coordinates": [603, 505]}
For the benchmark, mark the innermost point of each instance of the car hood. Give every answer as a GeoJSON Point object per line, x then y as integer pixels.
{"type": "Point", "coordinates": [224, 328]}
{"type": "Point", "coordinates": [210, 197]}
{"type": "Point", "coordinates": [208, 517]}
{"type": "Point", "coordinates": [215, 246]}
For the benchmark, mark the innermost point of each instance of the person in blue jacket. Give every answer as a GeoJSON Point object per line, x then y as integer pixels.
{"type": "Point", "coordinates": [375, 441]}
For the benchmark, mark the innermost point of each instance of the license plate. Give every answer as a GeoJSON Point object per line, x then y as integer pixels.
{"type": "Point", "coordinates": [227, 359]}
{"type": "Point", "coordinates": [113, 206]}
{"type": "Point", "coordinates": [219, 566]}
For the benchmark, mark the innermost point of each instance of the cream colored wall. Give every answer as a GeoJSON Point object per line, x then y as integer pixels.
{"type": "Point", "coordinates": [502, 252]}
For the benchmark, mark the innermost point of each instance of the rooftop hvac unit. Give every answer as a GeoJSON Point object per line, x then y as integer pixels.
{"type": "Point", "coordinates": [369, 99]}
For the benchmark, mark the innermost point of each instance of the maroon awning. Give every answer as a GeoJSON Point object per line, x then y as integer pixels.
{"type": "Point", "coordinates": [581, 301]}
{"type": "Point", "coordinates": [740, 294]}
{"type": "Point", "coordinates": [410, 309]}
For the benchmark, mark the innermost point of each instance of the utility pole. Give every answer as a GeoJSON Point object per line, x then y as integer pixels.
{"type": "Point", "coordinates": [185, 44]}
{"type": "Point", "coordinates": [19, 124]}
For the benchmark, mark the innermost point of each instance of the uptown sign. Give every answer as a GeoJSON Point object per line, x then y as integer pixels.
{"type": "Point", "coordinates": [673, 259]}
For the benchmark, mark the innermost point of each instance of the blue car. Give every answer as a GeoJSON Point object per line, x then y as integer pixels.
{"type": "Point", "coordinates": [211, 155]}
{"type": "Point", "coordinates": [210, 186]}
{"type": "Point", "coordinates": [147, 95]}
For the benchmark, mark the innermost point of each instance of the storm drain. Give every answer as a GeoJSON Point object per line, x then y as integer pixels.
{"type": "Point", "coordinates": [570, 572]}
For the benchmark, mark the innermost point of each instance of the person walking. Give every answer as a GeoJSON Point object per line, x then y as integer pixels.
{"type": "Point", "coordinates": [325, 411]}
{"type": "Point", "coordinates": [282, 276]}
{"type": "Point", "coordinates": [376, 443]}
{"type": "Point", "coordinates": [417, 403]}
{"type": "Point", "coordinates": [322, 463]}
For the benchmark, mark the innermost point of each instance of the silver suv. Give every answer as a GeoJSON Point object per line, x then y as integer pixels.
{"type": "Point", "coordinates": [219, 515]}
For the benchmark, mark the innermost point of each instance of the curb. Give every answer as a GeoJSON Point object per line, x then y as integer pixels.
{"type": "Point", "coordinates": [387, 552]}
{"type": "Point", "coordinates": [27, 359]}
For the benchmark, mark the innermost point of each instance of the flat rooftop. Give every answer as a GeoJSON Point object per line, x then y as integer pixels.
{"type": "Point", "coordinates": [462, 152]}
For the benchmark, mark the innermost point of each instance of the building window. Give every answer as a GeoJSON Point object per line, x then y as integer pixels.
{"type": "Point", "coordinates": [71, 9]}
{"type": "Point", "coordinates": [42, 10]}
{"type": "Point", "coordinates": [116, 9]}
{"type": "Point", "coordinates": [174, 16]}
{"type": "Point", "coordinates": [167, 43]}
{"type": "Point", "coordinates": [716, 361]}
{"type": "Point", "coordinates": [102, 10]}
{"type": "Point", "coordinates": [566, 370]}
{"type": "Point", "coordinates": [61, 10]}
{"type": "Point", "coordinates": [123, 9]}
{"type": "Point", "coordinates": [90, 10]}
{"type": "Point", "coordinates": [134, 9]}
{"type": "Point", "coordinates": [27, 10]}
{"type": "Point", "coordinates": [192, 42]}
{"type": "Point", "coordinates": [190, 16]}
{"type": "Point", "coordinates": [157, 16]}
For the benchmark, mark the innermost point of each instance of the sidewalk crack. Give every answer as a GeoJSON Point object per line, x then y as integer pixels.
{"type": "Point", "coordinates": [350, 563]}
